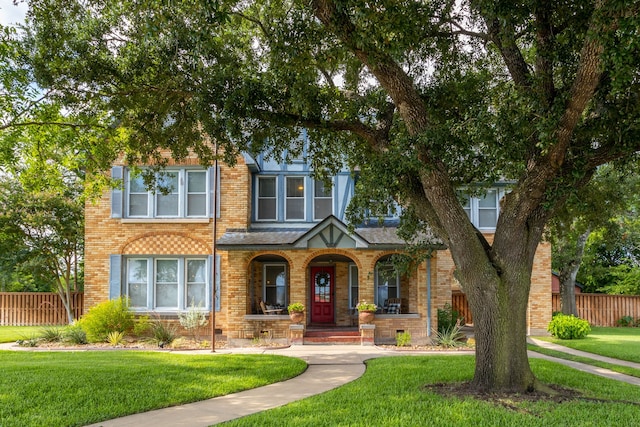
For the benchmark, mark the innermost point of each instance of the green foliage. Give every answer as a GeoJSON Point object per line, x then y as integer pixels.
{"type": "Point", "coordinates": [162, 333]}
{"type": "Point", "coordinates": [403, 339]}
{"type": "Point", "coordinates": [115, 338]}
{"type": "Point", "coordinates": [627, 321]}
{"type": "Point", "coordinates": [52, 333]}
{"type": "Point", "coordinates": [568, 327]}
{"type": "Point", "coordinates": [141, 325]}
{"type": "Point", "coordinates": [108, 316]}
{"type": "Point", "coordinates": [193, 319]}
{"type": "Point", "coordinates": [296, 306]}
{"type": "Point", "coordinates": [450, 337]}
{"type": "Point", "coordinates": [75, 334]}
{"type": "Point", "coordinates": [448, 318]}
{"type": "Point", "coordinates": [366, 306]}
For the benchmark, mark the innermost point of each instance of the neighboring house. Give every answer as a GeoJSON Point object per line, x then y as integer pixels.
{"type": "Point", "coordinates": [281, 238]}
{"type": "Point", "coordinates": [555, 284]}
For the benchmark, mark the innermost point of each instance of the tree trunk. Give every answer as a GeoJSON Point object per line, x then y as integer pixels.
{"type": "Point", "coordinates": [499, 313]}
{"type": "Point", "coordinates": [568, 274]}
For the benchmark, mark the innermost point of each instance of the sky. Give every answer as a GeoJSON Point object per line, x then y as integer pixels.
{"type": "Point", "coordinates": [11, 14]}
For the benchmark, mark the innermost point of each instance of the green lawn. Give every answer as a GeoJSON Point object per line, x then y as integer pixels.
{"type": "Point", "coordinates": [14, 333]}
{"type": "Point", "coordinates": [392, 393]}
{"type": "Point", "coordinates": [78, 388]}
{"type": "Point", "coordinates": [619, 343]}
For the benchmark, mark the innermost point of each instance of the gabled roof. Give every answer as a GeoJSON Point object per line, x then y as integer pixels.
{"type": "Point", "coordinates": [330, 233]}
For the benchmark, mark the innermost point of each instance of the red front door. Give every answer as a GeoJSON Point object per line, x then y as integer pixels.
{"type": "Point", "coordinates": [322, 283]}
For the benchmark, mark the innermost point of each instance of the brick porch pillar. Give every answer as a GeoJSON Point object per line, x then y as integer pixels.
{"type": "Point", "coordinates": [367, 334]}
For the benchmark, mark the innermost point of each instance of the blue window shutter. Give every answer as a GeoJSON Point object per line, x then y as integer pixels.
{"type": "Point", "coordinates": [214, 188]}
{"type": "Point", "coordinates": [115, 276]}
{"type": "Point", "coordinates": [117, 173]}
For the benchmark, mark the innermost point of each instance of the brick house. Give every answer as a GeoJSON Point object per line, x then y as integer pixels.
{"type": "Point", "coordinates": [281, 238]}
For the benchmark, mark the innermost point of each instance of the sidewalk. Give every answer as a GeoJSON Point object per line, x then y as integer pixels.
{"type": "Point", "coordinates": [584, 367]}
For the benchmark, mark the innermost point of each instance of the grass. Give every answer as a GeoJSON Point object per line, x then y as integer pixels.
{"type": "Point", "coordinates": [619, 343]}
{"type": "Point", "coordinates": [14, 333]}
{"type": "Point", "coordinates": [79, 388]}
{"type": "Point", "coordinates": [392, 393]}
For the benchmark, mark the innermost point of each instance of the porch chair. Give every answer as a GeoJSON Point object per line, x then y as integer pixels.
{"type": "Point", "coordinates": [266, 310]}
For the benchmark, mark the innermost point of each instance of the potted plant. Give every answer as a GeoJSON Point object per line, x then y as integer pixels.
{"type": "Point", "coordinates": [296, 312]}
{"type": "Point", "coordinates": [366, 311]}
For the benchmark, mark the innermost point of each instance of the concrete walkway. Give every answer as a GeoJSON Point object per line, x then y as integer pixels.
{"type": "Point", "coordinates": [584, 367]}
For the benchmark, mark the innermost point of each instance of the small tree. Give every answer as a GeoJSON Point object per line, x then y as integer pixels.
{"type": "Point", "coordinates": [193, 319]}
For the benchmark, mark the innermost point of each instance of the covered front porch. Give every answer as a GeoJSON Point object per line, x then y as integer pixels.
{"type": "Point", "coordinates": [329, 270]}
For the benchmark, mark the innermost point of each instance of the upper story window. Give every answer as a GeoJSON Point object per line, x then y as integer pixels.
{"type": "Point", "coordinates": [322, 200]}
{"type": "Point", "coordinates": [483, 211]}
{"type": "Point", "coordinates": [294, 204]}
{"type": "Point", "coordinates": [178, 193]}
{"type": "Point", "coordinates": [292, 198]}
{"type": "Point", "coordinates": [267, 198]}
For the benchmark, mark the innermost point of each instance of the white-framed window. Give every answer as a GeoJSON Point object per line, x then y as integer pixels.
{"type": "Point", "coordinates": [196, 193]}
{"type": "Point", "coordinates": [294, 198]}
{"type": "Point", "coordinates": [483, 211]}
{"type": "Point", "coordinates": [267, 198]}
{"type": "Point", "coordinates": [322, 200]}
{"type": "Point", "coordinates": [387, 282]}
{"type": "Point", "coordinates": [178, 193]}
{"type": "Point", "coordinates": [353, 286]}
{"type": "Point", "coordinates": [274, 284]}
{"type": "Point", "coordinates": [167, 283]}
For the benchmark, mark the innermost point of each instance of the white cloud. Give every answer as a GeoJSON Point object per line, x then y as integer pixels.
{"type": "Point", "coordinates": [11, 14]}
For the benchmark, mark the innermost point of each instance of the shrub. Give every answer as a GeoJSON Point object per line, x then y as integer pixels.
{"type": "Point", "coordinates": [75, 334]}
{"type": "Point", "coordinates": [192, 320]}
{"type": "Point", "coordinates": [115, 338]}
{"type": "Point", "coordinates": [447, 318]}
{"type": "Point", "coordinates": [568, 327]}
{"type": "Point", "coordinates": [451, 337]}
{"type": "Point", "coordinates": [403, 339]}
{"type": "Point", "coordinates": [52, 334]}
{"type": "Point", "coordinates": [162, 333]}
{"type": "Point", "coordinates": [106, 317]}
{"type": "Point", "coordinates": [626, 321]}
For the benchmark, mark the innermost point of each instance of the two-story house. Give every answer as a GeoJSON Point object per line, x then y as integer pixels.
{"type": "Point", "coordinates": [281, 238]}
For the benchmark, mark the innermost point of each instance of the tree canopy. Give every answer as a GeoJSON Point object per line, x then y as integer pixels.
{"type": "Point", "coordinates": [423, 97]}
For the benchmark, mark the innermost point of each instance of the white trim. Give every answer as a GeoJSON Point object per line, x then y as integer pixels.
{"type": "Point", "coordinates": [315, 198]}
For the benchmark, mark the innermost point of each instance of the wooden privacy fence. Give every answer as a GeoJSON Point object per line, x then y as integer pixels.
{"type": "Point", "coordinates": [597, 309]}
{"type": "Point", "coordinates": [37, 308]}
{"type": "Point", "coordinates": [601, 309]}
{"type": "Point", "coordinates": [460, 304]}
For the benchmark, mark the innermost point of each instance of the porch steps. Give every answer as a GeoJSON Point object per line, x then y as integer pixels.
{"type": "Point", "coordinates": [332, 336]}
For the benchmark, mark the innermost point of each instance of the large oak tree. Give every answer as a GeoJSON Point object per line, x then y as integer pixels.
{"type": "Point", "coordinates": [424, 97]}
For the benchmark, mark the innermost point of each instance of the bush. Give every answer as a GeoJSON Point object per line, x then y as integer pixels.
{"type": "Point", "coordinates": [403, 339]}
{"type": "Point", "coordinates": [568, 327]}
{"type": "Point", "coordinates": [451, 337]}
{"type": "Point", "coordinates": [108, 316]}
{"type": "Point", "coordinates": [162, 333]}
{"type": "Point", "coordinates": [52, 334]}
{"type": "Point", "coordinates": [627, 321]}
{"type": "Point", "coordinates": [448, 317]}
{"type": "Point", "coordinates": [74, 334]}
{"type": "Point", "coordinates": [193, 320]}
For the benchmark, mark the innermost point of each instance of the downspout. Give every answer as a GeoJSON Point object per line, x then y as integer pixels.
{"type": "Point", "coordinates": [429, 297]}
{"type": "Point", "coordinates": [214, 250]}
